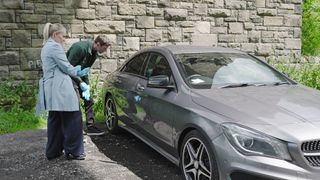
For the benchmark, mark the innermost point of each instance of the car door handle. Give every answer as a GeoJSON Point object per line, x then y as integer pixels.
{"type": "Point", "coordinates": [140, 87]}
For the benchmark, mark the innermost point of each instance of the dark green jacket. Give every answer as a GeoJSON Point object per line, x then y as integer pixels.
{"type": "Point", "coordinates": [80, 53]}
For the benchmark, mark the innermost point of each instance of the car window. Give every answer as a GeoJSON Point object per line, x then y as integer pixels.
{"type": "Point", "coordinates": [207, 70]}
{"type": "Point", "coordinates": [135, 65]}
{"type": "Point", "coordinates": [157, 65]}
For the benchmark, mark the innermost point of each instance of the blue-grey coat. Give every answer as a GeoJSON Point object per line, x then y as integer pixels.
{"type": "Point", "coordinates": [56, 92]}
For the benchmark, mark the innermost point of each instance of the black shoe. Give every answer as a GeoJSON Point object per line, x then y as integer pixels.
{"type": "Point", "coordinates": [55, 157]}
{"type": "Point", "coordinates": [94, 131]}
{"type": "Point", "coordinates": [72, 157]}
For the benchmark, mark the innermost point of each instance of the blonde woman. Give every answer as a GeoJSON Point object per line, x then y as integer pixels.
{"type": "Point", "coordinates": [58, 96]}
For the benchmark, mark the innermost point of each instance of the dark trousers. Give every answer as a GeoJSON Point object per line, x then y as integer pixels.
{"type": "Point", "coordinates": [64, 132]}
{"type": "Point", "coordinates": [88, 105]}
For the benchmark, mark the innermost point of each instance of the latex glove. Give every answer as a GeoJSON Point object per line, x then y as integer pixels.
{"type": "Point", "coordinates": [84, 86]}
{"type": "Point", "coordinates": [86, 95]}
{"type": "Point", "coordinates": [82, 72]}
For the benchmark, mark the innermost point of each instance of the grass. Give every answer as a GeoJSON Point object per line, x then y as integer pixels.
{"type": "Point", "coordinates": [19, 120]}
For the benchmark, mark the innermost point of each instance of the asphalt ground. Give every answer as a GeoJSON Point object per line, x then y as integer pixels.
{"type": "Point", "coordinates": [114, 157]}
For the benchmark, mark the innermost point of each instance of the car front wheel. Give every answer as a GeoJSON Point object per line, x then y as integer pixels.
{"type": "Point", "coordinates": [111, 117]}
{"type": "Point", "coordinates": [197, 161]}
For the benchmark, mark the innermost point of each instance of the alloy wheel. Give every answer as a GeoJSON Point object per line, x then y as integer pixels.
{"type": "Point", "coordinates": [110, 115]}
{"type": "Point", "coordinates": [196, 162]}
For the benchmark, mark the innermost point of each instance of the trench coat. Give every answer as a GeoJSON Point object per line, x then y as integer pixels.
{"type": "Point", "coordinates": [56, 91]}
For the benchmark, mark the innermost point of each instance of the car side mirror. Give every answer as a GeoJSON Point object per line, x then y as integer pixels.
{"type": "Point", "coordinates": [159, 81]}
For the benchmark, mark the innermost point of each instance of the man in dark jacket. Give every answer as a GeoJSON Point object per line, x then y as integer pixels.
{"type": "Point", "coordinates": [84, 53]}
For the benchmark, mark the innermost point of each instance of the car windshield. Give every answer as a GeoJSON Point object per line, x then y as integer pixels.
{"type": "Point", "coordinates": [222, 70]}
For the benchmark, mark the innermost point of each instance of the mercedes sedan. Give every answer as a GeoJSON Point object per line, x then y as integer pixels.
{"type": "Point", "coordinates": [217, 113]}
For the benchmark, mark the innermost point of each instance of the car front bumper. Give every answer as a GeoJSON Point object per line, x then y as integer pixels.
{"type": "Point", "coordinates": [234, 166]}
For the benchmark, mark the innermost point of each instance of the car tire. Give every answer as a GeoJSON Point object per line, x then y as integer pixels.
{"type": "Point", "coordinates": [110, 114]}
{"type": "Point", "coordinates": [197, 160]}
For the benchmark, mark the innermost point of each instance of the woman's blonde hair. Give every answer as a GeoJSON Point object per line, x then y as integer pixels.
{"type": "Point", "coordinates": [49, 29]}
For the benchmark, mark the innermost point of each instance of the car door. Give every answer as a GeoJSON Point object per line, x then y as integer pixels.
{"type": "Point", "coordinates": [156, 104]}
{"type": "Point", "coordinates": [125, 82]}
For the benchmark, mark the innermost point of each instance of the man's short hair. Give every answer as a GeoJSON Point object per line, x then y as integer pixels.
{"type": "Point", "coordinates": [102, 40]}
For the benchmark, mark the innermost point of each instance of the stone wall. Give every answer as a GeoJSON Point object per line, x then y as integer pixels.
{"type": "Point", "coordinates": [266, 28]}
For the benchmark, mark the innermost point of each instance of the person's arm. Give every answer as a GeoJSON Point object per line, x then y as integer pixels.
{"type": "Point", "coordinates": [75, 55]}
{"type": "Point", "coordinates": [61, 59]}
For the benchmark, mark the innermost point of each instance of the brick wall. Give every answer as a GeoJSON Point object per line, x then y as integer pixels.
{"type": "Point", "coordinates": [266, 28]}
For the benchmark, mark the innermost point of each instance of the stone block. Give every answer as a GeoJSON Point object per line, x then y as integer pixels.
{"type": "Point", "coordinates": [273, 21]}
{"type": "Point", "coordinates": [2, 43]}
{"type": "Point", "coordinates": [77, 3]}
{"type": "Point", "coordinates": [145, 22]}
{"type": "Point", "coordinates": [248, 26]}
{"type": "Point", "coordinates": [204, 39]}
{"type": "Point", "coordinates": [43, 8]}
{"type": "Point", "coordinates": [226, 38]}
{"type": "Point", "coordinates": [292, 20]}
{"type": "Point", "coordinates": [235, 28]}
{"type": "Point", "coordinates": [85, 14]}
{"type": "Point", "coordinates": [104, 26]}
{"type": "Point", "coordinates": [109, 65]}
{"type": "Point", "coordinates": [292, 43]}
{"type": "Point", "coordinates": [103, 11]}
{"type": "Point", "coordinates": [266, 12]}
{"type": "Point", "coordinates": [162, 23]}
{"type": "Point", "coordinates": [21, 38]}
{"type": "Point", "coordinates": [219, 30]}
{"type": "Point", "coordinates": [5, 33]}
{"type": "Point", "coordinates": [201, 9]}
{"type": "Point", "coordinates": [261, 3]}
{"type": "Point", "coordinates": [138, 32]}
{"type": "Point", "coordinates": [247, 47]}
{"type": "Point", "coordinates": [174, 34]}
{"type": "Point", "coordinates": [32, 18]}
{"type": "Point", "coordinates": [30, 58]}
{"type": "Point", "coordinates": [263, 49]}
{"type": "Point", "coordinates": [243, 16]}
{"type": "Point", "coordinates": [219, 3]}
{"type": "Point", "coordinates": [202, 27]}
{"type": "Point", "coordinates": [153, 35]}
{"type": "Point", "coordinates": [54, 18]}
{"type": "Point", "coordinates": [185, 23]}
{"type": "Point", "coordinates": [131, 43]}
{"type": "Point", "coordinates": [219, 12]}
{"type": "Point", "coordinates": [64, 11]}
{"type": "Point", "coordinates": [4, 69]}
{"type": "Point", "coordinates": [77, 28]}
{"type": "Point", "coordinates": [7, 16]}
{"type": "Point", "coordinates": [254, 36]}
{"type": "Point", "coordinates": [132, 9]}
{"type": "Point", "coordinates": [36, 43]}
{"type": "Point", "coordinates": [9, 58]}
{"type": "Point", "coordinates": [11, 4]}
{"type": "Point", "coordinates": [175, 14]}
{"type": "Point", "coordinates": [154, 11]}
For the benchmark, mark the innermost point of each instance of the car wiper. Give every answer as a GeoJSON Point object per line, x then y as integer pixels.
{"type": "Point", "coordinates": [233, 85]}
{"type": "Point", "coordinates": [279, 83]}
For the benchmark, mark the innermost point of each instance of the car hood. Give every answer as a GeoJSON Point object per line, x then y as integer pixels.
{"type": "Point", "coordinates": [276, 109]}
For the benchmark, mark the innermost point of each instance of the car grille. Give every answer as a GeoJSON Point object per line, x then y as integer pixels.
{"type": "Point", "coordinates": [311, 152]}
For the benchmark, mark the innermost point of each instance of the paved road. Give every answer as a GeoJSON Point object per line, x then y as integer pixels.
{"type": "Point", "coordinates": [111, 157]}
{"type": "Point", "coordinates": [135, 155]}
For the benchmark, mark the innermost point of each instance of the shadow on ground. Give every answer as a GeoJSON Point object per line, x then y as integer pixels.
{"type": "Point", "coordinates": [129, 151]}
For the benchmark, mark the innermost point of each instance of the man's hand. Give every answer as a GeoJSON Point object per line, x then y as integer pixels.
{"type": "Point", "coordinates": [82, 72]}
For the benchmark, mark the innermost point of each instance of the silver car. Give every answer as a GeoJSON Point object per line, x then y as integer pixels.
{"type": "Point", "coordinates": [219, 114]}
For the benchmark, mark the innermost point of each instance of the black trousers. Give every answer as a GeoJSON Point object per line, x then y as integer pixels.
{"type": "Point", "coordinates": [88, 105]}
{"type": "Point", "coordinates": [64, 132]}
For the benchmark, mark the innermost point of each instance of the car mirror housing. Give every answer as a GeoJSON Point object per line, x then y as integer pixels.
{"type": "Point", "coordinates": [159, 81]}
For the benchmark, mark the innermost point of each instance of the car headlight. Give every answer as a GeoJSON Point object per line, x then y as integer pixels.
{"type": "Point", "coordinates": [250, 142]}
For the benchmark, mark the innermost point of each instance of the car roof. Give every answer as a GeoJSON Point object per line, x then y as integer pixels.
{"type": "Point", "coordinates": [184, 49]}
